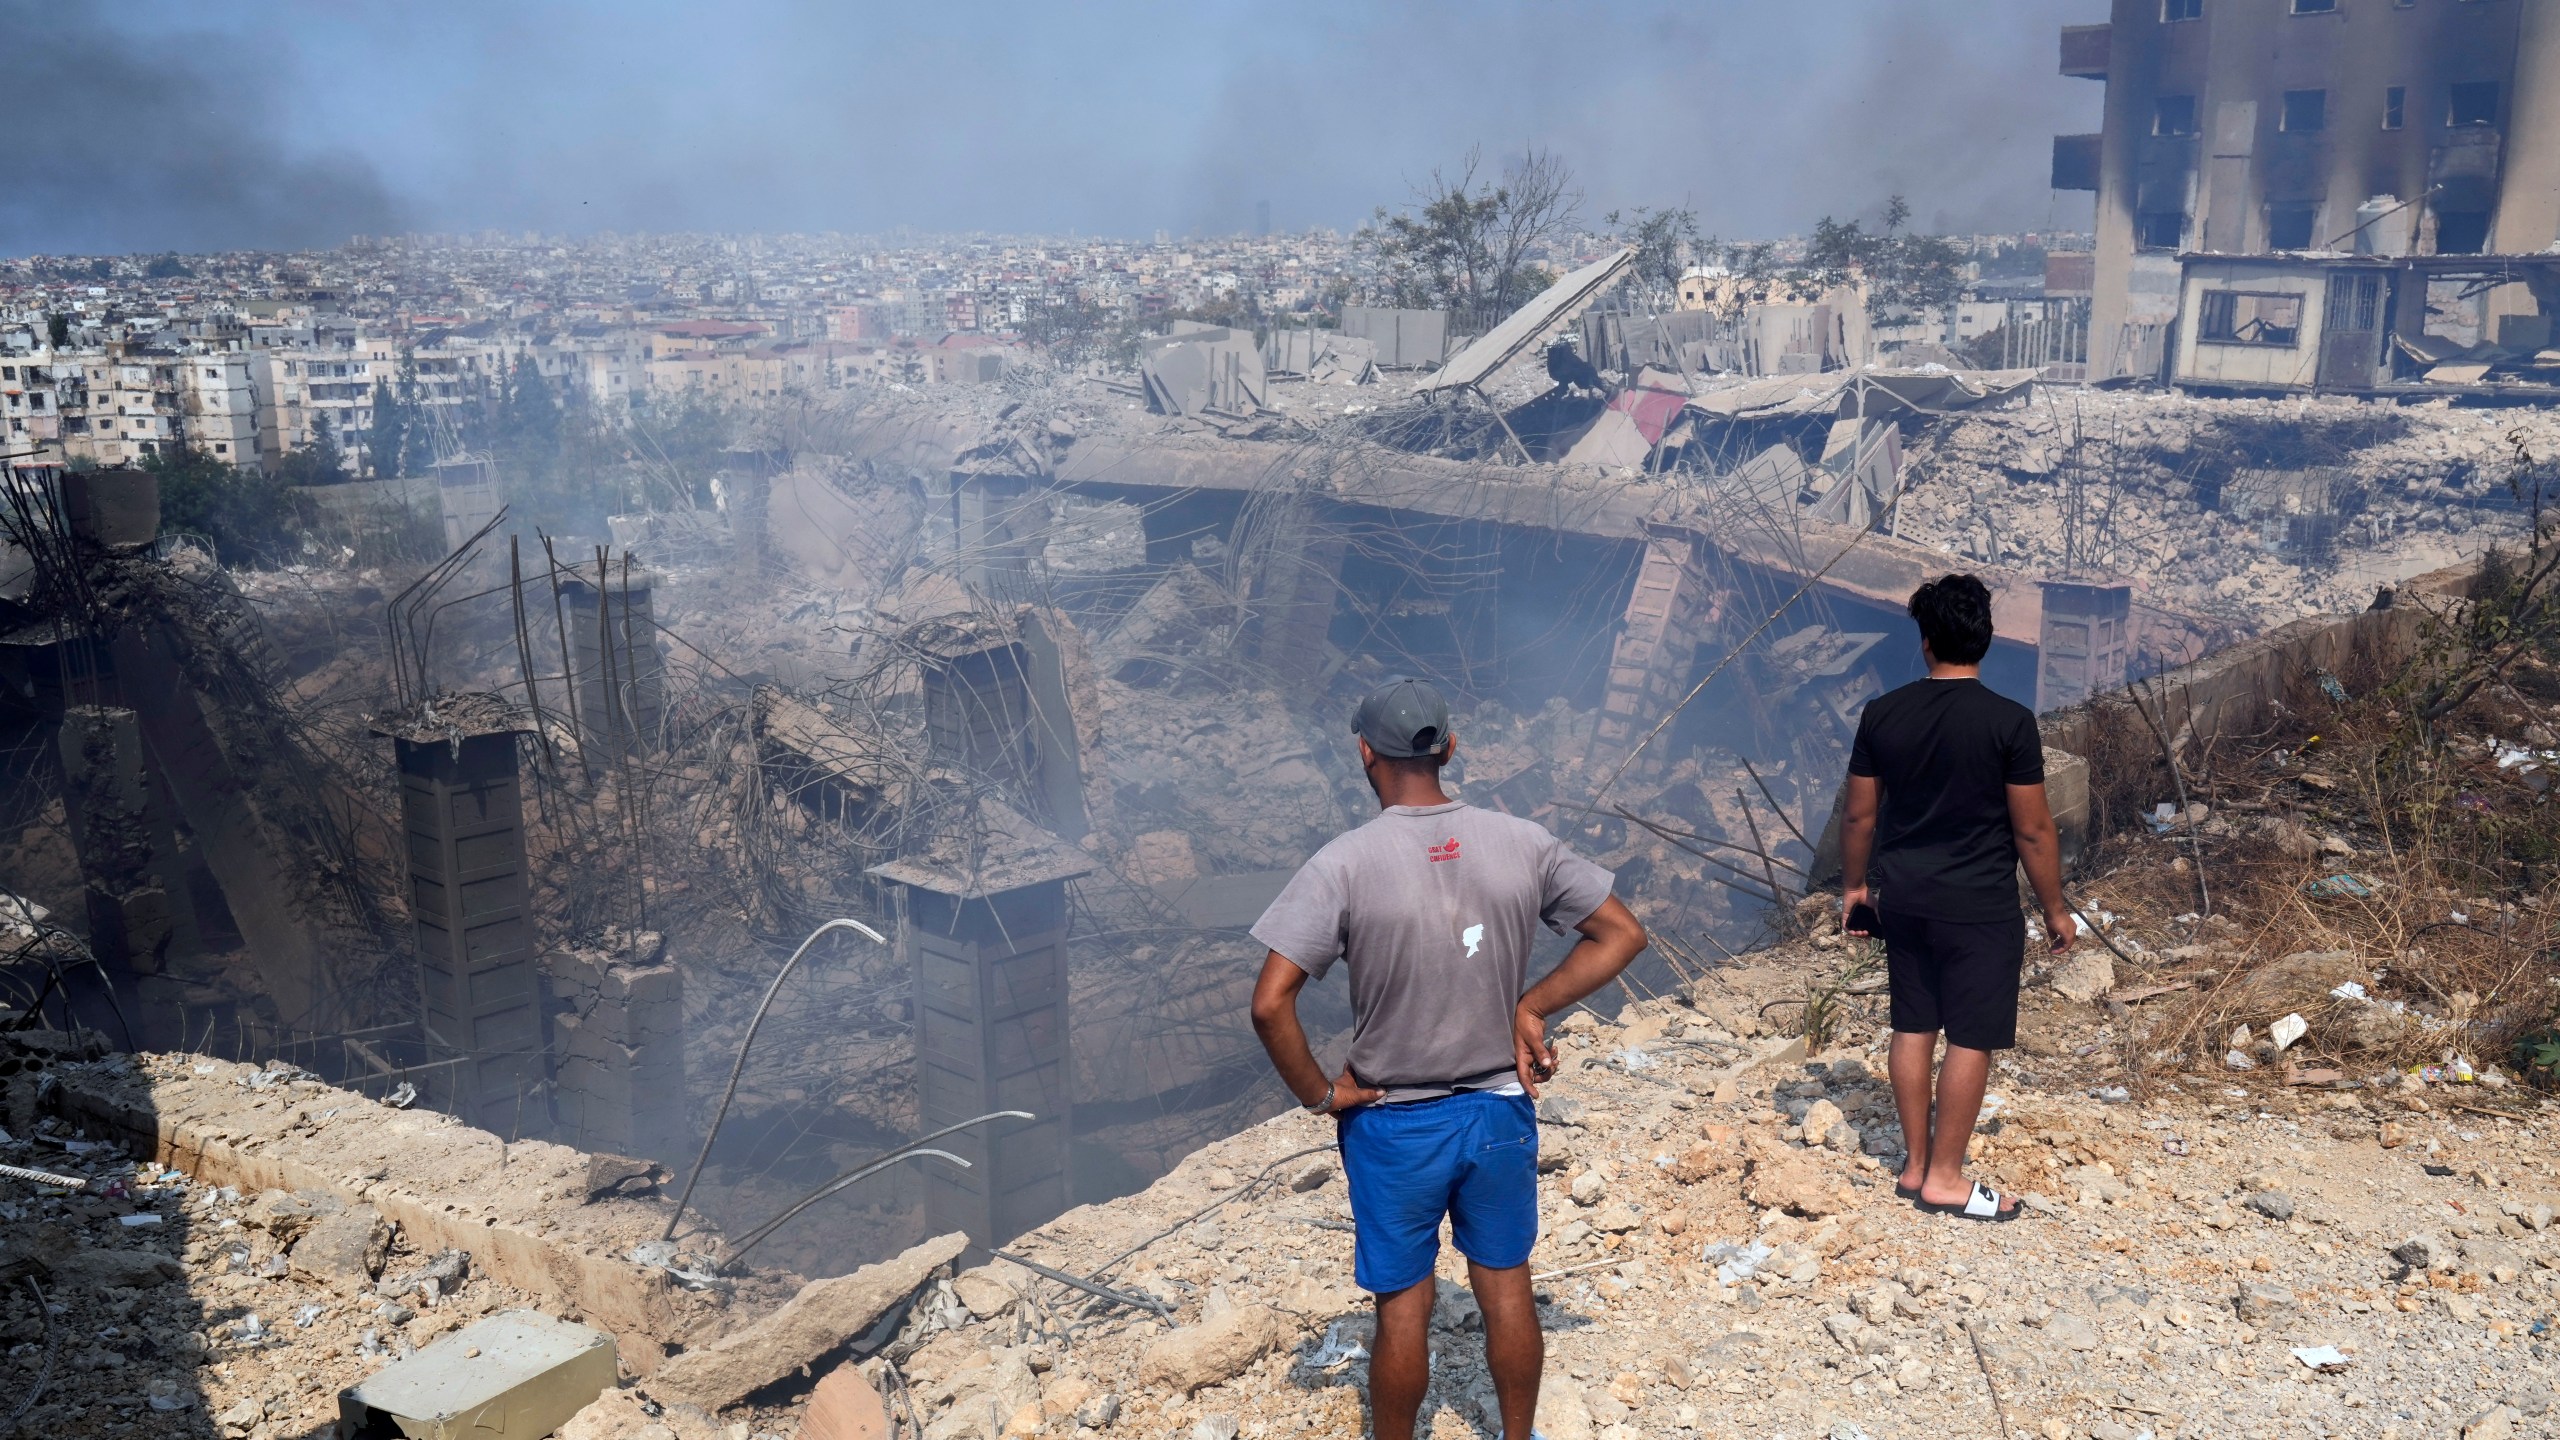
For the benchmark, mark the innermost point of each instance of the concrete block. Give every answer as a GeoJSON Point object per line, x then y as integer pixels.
{"type": "Point", "coordinates": [350, 1244]}
{"type": "Point", "coordinates": [115, 509]}
{"type": "Point", "coordinates": [825, 1314]}
{"type": "Point", "coordinates": [517, 1375]}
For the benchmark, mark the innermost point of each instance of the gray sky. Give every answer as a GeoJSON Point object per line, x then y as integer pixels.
{"type": "Point", "coordinates": [153, 124]}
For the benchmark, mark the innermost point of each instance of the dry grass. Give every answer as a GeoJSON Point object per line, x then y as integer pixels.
{"type": "Point", "coordinates": [2437, 830]}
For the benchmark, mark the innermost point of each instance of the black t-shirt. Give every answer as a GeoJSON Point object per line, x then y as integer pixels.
{"type": "Point", "coordinates": [1946, 752]}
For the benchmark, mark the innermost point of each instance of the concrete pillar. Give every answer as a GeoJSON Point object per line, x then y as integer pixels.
{"type": "Point", "coordinates": [107, 797]}
{"type": "Point", "coordinates": [990, 969]}
{"type": "Point", "coordinates": [1667, 613]}
{"type": "Point", "coordinates": [614, 659]}
{"type": "Point", "coordinates": [1293, 578]}
{"type": "Point", "coordinates": [252, 857]}
{"type": "Point", "coordinates": [618, 1075]}
{"type": "Point", "coordinates": [2083, 643]}
{"type": "Point", "coordinates": [479, 987]}
{"type": "Point", "coordinates": [978, 712]}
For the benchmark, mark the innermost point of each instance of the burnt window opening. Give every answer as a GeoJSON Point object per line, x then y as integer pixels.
{"type": "Point", "coordinates": [2395, 107]}
{"type": "Point", "coordinates": [2306, 112]}
{"type": "Point", "coordinates": [2462, 232]}
{"type": "Point", "coordinates": [2244, 317]}
{"type": "Point", "coordinates": [2173, 115]}
{"type": "Point", "coordinates": [2291, 227]}
{"type": "Point", "coordinates": [2173, 10]}
{"type": "Point", "coordinates": [2160, 230]}
{"type": "Point", "coordinates": [2472, 102]}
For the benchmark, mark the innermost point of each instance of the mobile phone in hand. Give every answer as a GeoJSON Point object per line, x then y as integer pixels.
{"type": "Point", "coordinates": [1862, 919]}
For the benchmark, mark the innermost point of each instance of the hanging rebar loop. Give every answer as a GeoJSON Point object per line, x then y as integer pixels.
{"type": "Point", "coordinates": [744, 1042]}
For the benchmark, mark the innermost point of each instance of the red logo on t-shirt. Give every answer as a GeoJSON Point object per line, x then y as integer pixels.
{"type": "Point", "coordinates": [1448, 851]}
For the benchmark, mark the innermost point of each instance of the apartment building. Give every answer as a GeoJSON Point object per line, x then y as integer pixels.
{"type": "Point", "coordinates": [2257, 127]}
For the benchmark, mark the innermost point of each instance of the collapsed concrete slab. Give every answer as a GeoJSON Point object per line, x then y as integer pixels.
{"type": "Point", "coordinates": [824, 1315]}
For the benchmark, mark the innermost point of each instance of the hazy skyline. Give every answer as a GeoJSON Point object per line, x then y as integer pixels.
{"type": "Point", "coordinates": [156, 126]}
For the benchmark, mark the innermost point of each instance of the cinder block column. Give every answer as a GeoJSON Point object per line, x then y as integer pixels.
{"type": "Point", "coordinates": [478, 982]}
{"type": "Point", "coordinates": [990, 970]}
{"type": "Point", "coordinates": [619, 1073]}
{"type": "Point", "coordinates": [2083, 643]}
{"type": "Point", "coordinates": [1666, 612]}
{"type": "Point", "coordinates": [107, 798]}
{"type": "Point", "coordinates": [614, 659]}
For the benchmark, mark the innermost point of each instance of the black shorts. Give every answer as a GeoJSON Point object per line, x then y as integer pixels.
{"type": "Point", "coordinates": [1957, 976]}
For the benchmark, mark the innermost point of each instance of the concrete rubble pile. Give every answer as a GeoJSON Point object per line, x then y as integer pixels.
{"type": "Point", "coordinates": [2162, 483]}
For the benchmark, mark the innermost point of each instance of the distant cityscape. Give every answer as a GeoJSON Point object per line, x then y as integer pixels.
{"type": "Point", "coordinates": [245, 357]}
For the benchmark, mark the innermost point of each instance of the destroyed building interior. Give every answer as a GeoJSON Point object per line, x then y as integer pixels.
{"type": "Point", "coordinates": [757, 944]}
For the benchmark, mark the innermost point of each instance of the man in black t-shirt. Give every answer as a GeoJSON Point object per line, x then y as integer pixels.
{"type": "Point", "coordinates": [1946, 794]}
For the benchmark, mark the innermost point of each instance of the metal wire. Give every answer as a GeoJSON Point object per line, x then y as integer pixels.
{"type": "Point", "coordinates": [731, 1091]}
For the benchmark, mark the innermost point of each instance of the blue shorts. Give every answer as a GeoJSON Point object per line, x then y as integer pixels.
{"type": "Point", "coordinates": [1472, 1156]}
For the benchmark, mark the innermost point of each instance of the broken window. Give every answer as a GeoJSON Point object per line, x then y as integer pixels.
{"type": "Point", "coordinates": [2181, 9]}
{"type": "Point", "coordinates": [2173, 115]}
{"type": "Point", "coordinates": [2243, 317]}
{"type": "Point", "coordinates": [2314, 7]}
{"type": "Point", "coordinates": [2306, 111]}
{"type": "Point", "coordinates": [2473, 102]}
{"type": "Point", "coordinates": [2160, 230]}
{"type": "Point", "coordinates": [2289, 227]}
{"type": "Point", "coordinates": [2395, 106]}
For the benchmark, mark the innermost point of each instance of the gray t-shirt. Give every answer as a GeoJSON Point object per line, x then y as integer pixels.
{"type": "Point", "coordinates": [1435, 907]}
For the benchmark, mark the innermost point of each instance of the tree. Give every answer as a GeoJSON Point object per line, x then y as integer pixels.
{"type": "Point", "coordinates": [386, 445]}
{"type": "Point", "coordinates": [57, 331]}
{"type": "Point", "coordinates": [1665, 241]}
{"type": "Point", "coordinates": [318, 463]}
{"type": "Point", "coordinates": [1904, 272]}
{"type": "Point", "coordinates": [251, 518]}
{"type": "Point", "coordinates": [1469, 245]}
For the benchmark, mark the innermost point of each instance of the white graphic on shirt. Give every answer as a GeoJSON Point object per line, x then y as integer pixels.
{"type": "Point", "coordinates": [1473, 936]}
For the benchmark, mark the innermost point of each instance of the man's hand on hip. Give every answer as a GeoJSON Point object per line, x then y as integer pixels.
{"type": "Point", "coordinates": [1530, 1053]}
{"type": "Point", "coordinates": [1350, 1094]}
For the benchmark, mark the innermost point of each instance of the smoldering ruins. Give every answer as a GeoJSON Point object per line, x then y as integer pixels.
{"type": "Point", "coordinates": [851, 854]}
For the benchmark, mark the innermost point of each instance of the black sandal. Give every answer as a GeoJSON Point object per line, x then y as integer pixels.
{"type": "Point", "coordinates": [1983, 1204]}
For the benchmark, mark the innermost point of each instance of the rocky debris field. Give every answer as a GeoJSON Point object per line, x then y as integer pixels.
{"type": "Point", "coordinates": [1722, 1254]}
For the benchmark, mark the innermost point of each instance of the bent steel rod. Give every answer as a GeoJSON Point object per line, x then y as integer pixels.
{"type": "Point", "coordinates": [739, 1064]}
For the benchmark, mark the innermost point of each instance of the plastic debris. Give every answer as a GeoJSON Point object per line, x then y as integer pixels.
{"type": "Point", "coordinates": [2352, 990]}
{"type": "Point", "coordinates": [2327, 1359]}
{"type": "Point", "coordinates": [2112, 1094]}
{"type": "Point", "coordinates": [136, 1222]}
{"type": "Point", "coordinates": [1340, 1346]}
{"type": "Point", "coordinates": [1736, 1262]}
{"type": "Point", "coordinates": [2235, 1060]}
{"type": "Point", "coordinates": [403, 1097]}
{"type": "Point", "coordinates": [2330, 687]}
{"type": "Point", "coordinates": [2340, 887]}
{"type": "Point", "coordinates": [305, 1317]}
{"type": "Point", "coordinates": [2287, 1030]}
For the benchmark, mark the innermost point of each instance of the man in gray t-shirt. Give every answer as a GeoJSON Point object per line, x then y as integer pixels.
{"type": "Point", "coordinates": [1434, 905]}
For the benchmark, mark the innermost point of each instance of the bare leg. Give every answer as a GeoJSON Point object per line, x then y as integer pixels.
{"type": "Point", "coordinates": [1515, 1350]}
{"type": "Point", "coordinates": [1961, 1078]}
{"type": "Point", "coordinates": [1908, 1063]}
{"type": "Point", "coordinates": [1400, 1359]}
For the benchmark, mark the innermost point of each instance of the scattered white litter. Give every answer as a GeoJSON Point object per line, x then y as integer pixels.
{"type": "Point", "coordinates": [2324, 1358]}
{"type": "Point", "coordinates": [136, 1222]}
{"type": "Point", "coordinates": [1341, 1346]}
{"type": "Point", "coordinates": [2287, 1030]}
{"type": "Point", "coordinates": [1736, 1262]}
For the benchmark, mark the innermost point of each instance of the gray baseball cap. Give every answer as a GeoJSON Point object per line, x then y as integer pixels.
{"type": "Point", "coordinates": [1403, 718]}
